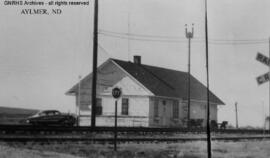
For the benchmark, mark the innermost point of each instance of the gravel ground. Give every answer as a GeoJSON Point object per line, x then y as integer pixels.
{"type": "Point", "coordinates": [20, 152]}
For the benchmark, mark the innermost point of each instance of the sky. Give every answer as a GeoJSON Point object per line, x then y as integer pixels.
{"type": "Point", "coordinates": [41, 56]}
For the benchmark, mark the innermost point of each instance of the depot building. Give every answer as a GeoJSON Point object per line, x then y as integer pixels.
{"type": "Point", "coordinates": [151, 96]}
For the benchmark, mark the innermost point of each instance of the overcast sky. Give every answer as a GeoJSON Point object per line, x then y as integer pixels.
{"type": "Point", "coordinates": [42, 56]}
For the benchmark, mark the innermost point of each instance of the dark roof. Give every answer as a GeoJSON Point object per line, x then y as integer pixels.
{"type": "Point", "coordinates": [167, 82]}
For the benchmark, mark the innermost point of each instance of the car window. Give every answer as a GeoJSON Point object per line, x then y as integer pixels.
{"type": "Point", "coordinates": [57, 113]}
{"type": "Point", "coordinates": [42, 114]}
{"type": "Point", "coordinates": [50, 113]}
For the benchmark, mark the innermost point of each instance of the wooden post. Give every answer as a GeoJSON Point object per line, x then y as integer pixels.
{"type": "Point", "coordinates": [79, 102]}
{"type": "Point", "coordinates": [94, 77]}
{"type": "Point", "coordinates": [236, 115]}
{"type": "Point", "coordinates": [207, 78]}
{"type": "Point", "coordinates": [116, 93]}
{"type": "Point", "coordinates": [115, 127]}
{"type": "Point", "coordinates": [269, 92]}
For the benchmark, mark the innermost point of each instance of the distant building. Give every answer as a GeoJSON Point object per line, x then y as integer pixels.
{"type": "Point", "coordinates": [152, 96]}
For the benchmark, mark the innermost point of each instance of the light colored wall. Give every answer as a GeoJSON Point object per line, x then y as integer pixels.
{"type": "Point", "coordinates": [107, 75]}
{"type": "Point", "coordinates": [138, 98]}
{"type": "Point", "coordinates": [138, 112]}
{"type": "Point", "coordinates": [109, 121]}
{"type": "Point", "coordinates": [138, 105]}
{"type": "Point", "coordinates": [129, 87]}
{"type": "Point", "coordinates": [165, 113]}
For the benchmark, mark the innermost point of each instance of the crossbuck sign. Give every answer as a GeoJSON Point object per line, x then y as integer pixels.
{"type": "Point", "coordinates": [265, 60]}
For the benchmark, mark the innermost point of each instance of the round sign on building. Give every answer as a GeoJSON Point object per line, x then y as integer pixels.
{"type": "Point", "coordinates": [116, 93]}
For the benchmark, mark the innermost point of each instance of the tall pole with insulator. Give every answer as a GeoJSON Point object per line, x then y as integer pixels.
{"type": "Point", "coordinates": [189, 36]}
{"type": "Point", "coordinates": [94, 77]}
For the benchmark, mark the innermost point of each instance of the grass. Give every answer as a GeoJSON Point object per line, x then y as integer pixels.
{"type": "Point", "coordinates": [244, 149]}
{"type": "Point", "coordinates": [11, 152]}
{"type": "Point", "coordinates": [7, 110]}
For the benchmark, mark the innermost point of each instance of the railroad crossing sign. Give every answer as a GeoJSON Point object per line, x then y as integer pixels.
{"type": "Point", "coordinates": [265, 60]}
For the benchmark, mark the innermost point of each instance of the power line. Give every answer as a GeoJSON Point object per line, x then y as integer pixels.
{"type": "Point", "coordinates": [143, 39]}
{"type": "Point", "coordinates": [128, 35]}
{"type": "Point", "coordinates": [240, 40]}
{"type": "Point", "coordinates": [212, 42]}
{"type": "Point", "coordinates": [235, 43]}
{"type": "Point", "coordinates": [141, 35]}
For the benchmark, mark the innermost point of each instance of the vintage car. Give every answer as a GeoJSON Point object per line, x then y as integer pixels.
{"type": "Point", "coordinates": [51, 117]}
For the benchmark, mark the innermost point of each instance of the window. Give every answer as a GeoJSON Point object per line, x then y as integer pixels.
{"type": "Point", "coordinates": [56, 113]}
{"type": "Point", "coordinates": [98, 106]}
{"type": "Point", "coordinates": [50, 113]}
{"type": "Point", "coordinates": [156, 108]}
{"type": "Point", "coordinates": [164, 102]}
{"type": "Point", "coordinates": [42, 114]}
{"type": "Point", "coordinates": [175, 109]}
{"type": "Point", "coordinates": [125, 106]}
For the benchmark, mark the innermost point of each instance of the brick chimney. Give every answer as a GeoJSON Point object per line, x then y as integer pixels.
{"type": "Point", "coordinates": [137, 59]}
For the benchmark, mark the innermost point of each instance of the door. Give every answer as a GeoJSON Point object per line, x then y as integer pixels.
{"type": "Point", "coordinates": [164, 115]}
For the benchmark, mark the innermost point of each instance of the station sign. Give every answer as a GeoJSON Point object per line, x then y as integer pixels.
{"type": "Point", "coordinates": [116, 92]}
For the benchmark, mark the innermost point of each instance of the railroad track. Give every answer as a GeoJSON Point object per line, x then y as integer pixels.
{"type": "Point", "coordinates": [26, 133]}
{"type": "Point", "coordinates": [127, 140]}
{"type": "Point", "coordinates": [11, 129]}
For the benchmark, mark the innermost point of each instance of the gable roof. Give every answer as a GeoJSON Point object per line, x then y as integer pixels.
{"type": "Point", "coordinates": [162, 82]}
{"type": "Point", "coordinates": [167, 83]}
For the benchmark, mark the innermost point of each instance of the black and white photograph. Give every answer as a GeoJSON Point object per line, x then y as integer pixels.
{"type": "Point", "coordinates": [135, 79]}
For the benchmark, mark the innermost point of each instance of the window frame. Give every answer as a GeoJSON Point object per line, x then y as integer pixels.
{"type": "Point", "coordinates": [156, 108]}
{"type": "Point", "coordinates": [125, 106]}
{"type": "Point", "coordinates": [99, 109]}
{"type": "Point", "coordinates": [175, 112]}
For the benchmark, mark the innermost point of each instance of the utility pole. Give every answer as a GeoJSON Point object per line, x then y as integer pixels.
{"type": "Point", "coordinates": [208, 129]}
{"type": "Point", "coordinates": [236, 115]}
{"type": "Point", "coordinates": [189, 36]}
{"type": "Point", "coordinates": [264, 118]}
{"type": "Point", "coordinates": [94, 77]}
{"type": "Point", "coordinates": [79, 102]}
{"type": "Point", "coordinates": [128, 30]}
{"type": "Point", "coordinates": [115, 126]}
{"type": "Point", "coordinates": [269, 92]}
{"type": "Point", "coordinates": [76, 108]}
